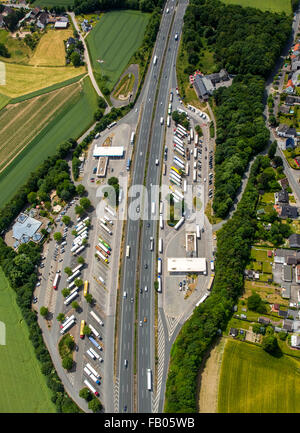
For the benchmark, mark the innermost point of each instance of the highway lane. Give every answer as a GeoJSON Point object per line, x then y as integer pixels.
{"type": "Point", "coordinates": [126, 335]}
{"type": "Point", "coordinates": [146, 341]}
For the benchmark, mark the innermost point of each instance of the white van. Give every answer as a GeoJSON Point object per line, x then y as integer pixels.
{"type": "Point", "coordinates": [124, 294]}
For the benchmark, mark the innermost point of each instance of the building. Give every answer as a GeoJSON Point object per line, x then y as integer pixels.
{"type": "Point", "coordinates": [284, 130]}
{"type": "Point", "coordinates": [183, 265]}
{"type": "Point", "coordinates": [281, 197]}
{"type": "Point", "coordinates": [286, 292]}
{"type": "Point", "coordinates": [42, 20]}
{"type": "Point", "coordinates": [291, 260]}
{"type": "Point", "coordinates": [288, 211]}
{"type": "Point", "coordinates": [61, 25]}
{"type": "Point", "coordinates": [283, 314]}
{"type": "Point", "coordinates": [290, 143]}
{"type": "Point", "coordinates": [264, 320]}
{"type": "Point", "coordinates": [191, 244]}
{"type": "Point", "coordinates": [294, 241]}
{"type": "Point", "coordinates": [284, 183]}
{"type": "Point", "coordinates": [287, 325]}
{"type": "Point", "coordinates": [292, 99]}
{"type": "Point", "coordinates": [26, 229]}
{"type": "Point", "coordinates": [200, 88]}
{"type": "Point", "coordinates": [108, 151]}
{"type": "Point", "coordinates": [70, 41]}
{"type": "Point", "coordinates": [287, 274]}
{"type": "Point", "coordinates": [234, 332]}
{"type": "Point", "coordinates": [284, 109]}
{"type": "Point", "coordinates": [102, 166]}
{"type": "Point", "coordinates": [295, 341]}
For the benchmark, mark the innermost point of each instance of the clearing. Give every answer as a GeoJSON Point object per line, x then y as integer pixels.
{"type": "Point", "coordinates": [113, 41]}
{"type": "Point", "coordinates": [252, 381]}
{"type": "Point", "coordinates": [23, 387]}
{"type": "Point", "coordinates": [75, 118]}
{"type": "Point", "coordinates": [265, 5]}
{"type": "Point", "coordinates": [50, 50]}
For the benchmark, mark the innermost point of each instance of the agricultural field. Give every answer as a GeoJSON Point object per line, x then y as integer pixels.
{"type": "Point", "coordinates": [20, 370]}
{"type": "Point", "coordinates": [50, 50]}
{"type": "Point", "coordinates": [52, 3]}
{"type": "Point", "coordinates": [76, 116]}
{"type": "Point", "coordinates": [264, 5]}
{"type": "Point", "coordinates": [18, 50]}
{"type": "Point", "coordinates": [20, 123]}
{"type": "Point", "coordinates": [23, 79]}
{"type": "Point", "coordinates": [252, 381]}
{"type": "Point", "coordinates": [113, 41]}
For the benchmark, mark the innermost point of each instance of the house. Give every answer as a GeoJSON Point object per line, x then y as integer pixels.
{"type": "Point", "coordinates": [275, 308]}
{"type": "Point", "coordinates": [294, 241]}
{"type": "Point", "coordinates": [288, 211]}
{"type": "Point", "coordinates": [289, 143]}
{"type": "Point", "coordinates": [287, 274]}
{"type": "Point", "coordinates": [270, 253]}
{"type": "Point", "coordinates": [61, 25]}
{"type": "Point", "coordinates": [42, 20]}
{"type": "Point", "coordinates": [233, 332]}
{"type": "Point", "coordinates": [292, 100]}
{"type": "Point", "coordinates": [200, 88]}
{"type": "Point", "coordinates": [34, 12]}
{"type": "Point", "coordinates": [278, 329]}
{"type": "Point", "coordinates": [283, 314]}
{"type": "Point", "coordinates": [286, 292]}
{"type": "Point", "coordinates": [287, 325]}
{"type": "Point", "coordinates": [295, 341]}
{"type": "Point", "coordinates": [284, 183]}
{"type": "Point", "coordinates": [291, 260]}
{"type": "Point", "coordinates": [285, 131]}
{"type": "Point", "coordinates": [281, 197]}
{"type": "Point", "coordinates": [284, 109]}
{"type": "Point", "coordinates": [264, 320]}
{"type": "Point", "coordinates": [243, 316]}
{"type": "Point", "coordinates": [70, 41]}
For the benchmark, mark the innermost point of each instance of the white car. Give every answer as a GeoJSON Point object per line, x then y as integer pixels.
{"type": "Point", "coordinates": [141, 323]}
{"type": "Point", "coordinates": [146, 288]}
{"type": "Point", "coordinates": [37, 284]}
{"type": "Point", "coordinates": [156, 162]}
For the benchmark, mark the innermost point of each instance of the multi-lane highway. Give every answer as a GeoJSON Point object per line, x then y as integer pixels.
{"type": "Point", "coordinates": [129, 277]}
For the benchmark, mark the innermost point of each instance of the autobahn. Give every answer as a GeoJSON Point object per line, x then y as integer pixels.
{"type": "Point", "coordinates": [129, 278]}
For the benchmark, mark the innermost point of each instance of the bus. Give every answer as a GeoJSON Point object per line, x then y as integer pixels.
{"type": "Point", "coordinates": [56, 281]}
{"type": "Point", "coordinates": [198, 231]}
{"type": "Point", "coordinates": [83, 230]}
{"type": "Point", "coordinates": [170, 108]}
{"type": "Point", "coordinates": [85, 288]}
{"type": "Point", "coordinates": [77, 268]}
{"type": "Point", "coordinates": [92, 340]}
{"type": "Point", "coordinates": [160, 245]}
{"type": "Point", "coordinates": [176, 170]}
{"type": "Point", "coordinates": [149, 379]}
{"type": "Point", "coordinates": [159, 266]}
{"type": "Point", "coordinates": [184, 185]}
{"type": "Point", "coordinates": [128, 251]}
{"type": "Point", "coordinates": [111, 125]}
{"type": "Point", "coordinates": [82, 325]}
{"type": "Point", "coordinates": [168, 121]}
{"type": "Point", "coordinates": [179, 224]}
{"type": "Point", "coordinates": [192, 133]}
{"type": "Point", "coordinates": [196, 139]}
{"type": "Point", "coordinates": [86, 219]}
{"type": "Point", "coordinates": [70, 286]}
{"type": "Point", "coordinates": [132, 138]}
{"type": "Point", "coordinates": [94, 315]}
{"type": "Point", "coordinates": [91, 388]}
{"type": "Point", "coordinates": [159, 283]}
{"type": "Point", "coordinates": [161, 222]}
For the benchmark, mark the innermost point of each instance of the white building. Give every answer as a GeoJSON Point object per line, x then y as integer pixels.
{"type": "Point", "coordinates": [194, 265]}
{"type": "Point", "coordinates": [108, 151]}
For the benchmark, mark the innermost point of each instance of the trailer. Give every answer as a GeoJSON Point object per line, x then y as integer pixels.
{"type": "Point", "coordinates": [160, 245]}
{"type": "Point", "coordinates": [68, 326]}
{"type": "Point", "coordinates": [179, 164]}
{"type": "Point", "coordinates": [104, 243]}
{"type": "Point", "coordinates": [179, 126]}
{"type": "Point", "coordinates": [132, 138]}
{"type": "Point", "coordinates": [56, 281]}
{"type": "Point", "coordinates": [91, 388]}
{"type": "Point", "coordinates": [74, 275]}
{"type": "Point", "coordinates": [184, 185]}
{"type": "Point", "coordinates": [187, 169]}
{"type": "Point", "coordinates": [161, 222]}
{"type": "Point", "coordinates": [159, 283]}
{"type": "Point", "coordinates": [91, 355]}
{"type": "Point", "coordinates": [175, 181]}
{"type": "Point", "coordinates": [164, 169]}
{"type": "Point", "coordinates": [168, 121]}
{"type": "Point", "coordinates": [95, 373]}
{"type": "Point", "coordinates": [94, 342]}
{"type": "Point", "coordinates": [178, 194]}
{"type": "Point", "coordinates": [177, 140]}
{"type": "Point", "coordinates": [179, 224]}
{"type": "Point", "coordinates": [196, 139]}
{"type": "Point", "coordinates": [192, 134]}
{"type": "Point", "coordinates": [81, 248]}
{"type": "Point", "coordinates": [173, 176]}
{"type": "Point", "coordinates": [195, 175]}
{"type": "Point", "coordinates": [91, 375]}
{"type": "Point", "coordinates": [107, 220]}
{"type": "Point", "coordinates": [83, 230]}
{"type": "Point", "coordinates": [101, 251]}
{"type": "Point", "coordinates": [179, 151]}
{"type": "Point", "coordinates": [96, 333]}
{"type": "Point", "coordinates": [104, 248]}
{"type": "Point", "coordinates": [94, 315]}
{"type": "Point", "coordinates": [66, 321]}
{"type": "Point", "coordinates": [195, 153]}
{"type": "Point", "coordinates": [106, 228]}
{"type": "Point", "coordinates": [102, 256]}
{"type": "Point", "coordinates": [159, 266]}
{"type": "Point", "coordinates": [71, 298]}
{"type": "Point", "coordinates": [198, 231]}
{"type": "Point", "coordinates": [94, 353]}
{"type": "Point", "coordinates": [179, 159]}
{"type": "Point", "coordinates": [77, 268]}
{"type": "Point", "coordinates": [149, 379]}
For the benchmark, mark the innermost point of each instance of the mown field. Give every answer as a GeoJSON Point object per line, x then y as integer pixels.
{"type": "Point", "coordinates": [52, 3]}
{"type": "Point", "coordinates": [22, 79]}
{"type": "Point", "coordinates": [50, 50]}
{"type": "Point", "coordinates": [264, 5]}
{"type": "Point", "coordinates": [72, 121]}
{"type": "Point", "coordinates": [18, 50]}
{"type": "Point", "coordinates": [114, 40]}
{"type": "Point", "coordinates": [23, 387]}
{"type": "Point", "coordinates": [253, 381]}
{"type": "Point", "coordinates": [20, 123]}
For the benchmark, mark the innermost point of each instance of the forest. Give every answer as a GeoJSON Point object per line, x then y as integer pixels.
{"type": "Point", "coordinates": [87, 6]}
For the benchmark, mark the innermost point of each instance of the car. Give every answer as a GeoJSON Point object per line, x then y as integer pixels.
{"type": "Point", "coordinates": [146, 288]}
{"type": "Point", "coordinates": [42, 265]}
{"type": "Point", "coordinates": [146, 266]}
{"type": "Point", "coordinates": [141, 323]}
{"type": "Point", "coordinates": [60, 260]}
{"type": "Point", "coordinates": [125, 363]}
{"type": "Point", "coordinates": [156, 162]}
{"type": "Point", "coordinates": [124, 294]}
{"type": "Point", "coordinates": [141, 290]}
{"type": "Point", "coordinates": [138, 208]}
{"type": "Point", "coordinates": [180, 284]}
{"type": "Point", "coordinates": [34, 300]}
{"type": "Point", "coordinates": [148, 225]}
{"type": "Point", "coordinates": [125, 409]}
{"type": "Point", "coordinates": [63, 212]}
{"type": "Point", "coordinates": [145, 319]}
{"type": "Point", "coordinates": [92, 179]}
{"type": "Point", "coordinates": [202, 230]}
{"type": "Point", "coordinates": [131, 300]}
{"type": "Point", "coordinates": [37, 284]}
{"type": "Point", "coordinates": [94, 170]}
{"type": "Point", "coordinates": [204, 179]}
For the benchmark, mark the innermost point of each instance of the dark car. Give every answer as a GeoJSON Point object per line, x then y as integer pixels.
{"type": "Point", "coordinates": [146, 266]}
{"type": "Point", "coordinates": [95, 170]}
{"type": "Point", "coordinates": [125, 409]}
{"type": "Point", "coordinates": [92, 179]}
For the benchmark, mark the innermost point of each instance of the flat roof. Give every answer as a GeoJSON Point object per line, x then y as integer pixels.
{"type": "Point", "coordinates": [25, 227]}
{"type": "Point", "coordinates": [108, 151]}
{"type": "Point", "coordinates": [184, 264]}
{"type": "Point", "coordinates": [102, 166]}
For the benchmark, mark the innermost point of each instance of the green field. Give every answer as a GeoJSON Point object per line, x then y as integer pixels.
{"type": "Point", "coordinates": [52, 3]}
{"type": "Point", "coordinates": [23, 387]}
{"type": "Point", "coordinates": [253, 381]}
{"type": "Point", "coordinates": [72, 122]}
{"type": "Point", "coordinates": [264, 5]}
{"type": "Point", "coordinates": [114, 40]}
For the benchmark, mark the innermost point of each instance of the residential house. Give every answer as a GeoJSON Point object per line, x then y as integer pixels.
{"type": "Point", "coordinates": [285, 131]}
{"type": "Point", "coordinates": [278, 329]}
{"type": "Point", "coordinates": [288, 211]}
{"type": "Point", "coordinates": [292, 99]}
{"type": "Point", "coordinates": [296, 323]}
{"type": "Point", "coordinates": [281, 197]}
{"type": "Point", "coordinates": [42, 20]}
{"type": "Point", "coordinates": [290, 87]}
{"type": "Point", "coordinates": [264, 320]}
{"type": "Point", "coordinates": [291, 260]}
{"type": "Point", "coordinates": [289, 143]}
{"type": "Point", "coordinates": [284, 109]}
{"type": "Point", "coordinates": [86, 27]}
{"type": "Point", "coordinates": [287, 325]}
{"type": "Point", "coordinates": [200, 88]}
{"type": "Point", "coordinates": [70, 42]}
{"type": "Point", "coordinates": [284, 183]}
{"type": "Point", "coordinates": [275, 308]}
{"type": "Point", "coordinates": [294, 240]}
{"type": "Point", "coordinates": [287, 273]}
{"type": "Point", "coordinates": [34, 12]}
{"type": "Point", "coordinates": [286, 292]}
{"type": "Point", "coordinates": [283, 314]}
{"type": "Point", "coordinates": [270, 253]}
{"type": "Point", "coordinates": [295, 341]}
{"type": "Point", "coordinates": [233, 332]}
{"type": "Point", "coordinates": [295, 65]}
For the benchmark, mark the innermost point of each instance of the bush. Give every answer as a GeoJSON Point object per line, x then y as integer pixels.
{"type": "Point", "coordinates": [67, 363]}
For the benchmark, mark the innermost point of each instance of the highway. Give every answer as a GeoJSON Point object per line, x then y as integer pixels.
{"type": "Point", "coordinates": [129, 278]}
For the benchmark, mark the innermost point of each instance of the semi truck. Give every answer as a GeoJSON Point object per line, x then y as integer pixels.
{"type": "Point", "coordinates": [179, 224]}
{"type": "Point", "coordinates": [160, 245]}
{"type": "Point", "coordinates": [159, 266]}
{"type": "Point", "coordinates": [71, 298]}
{"type": "Point", "coordinates": [94, 342]}
{"type": "Point", "coordinates": [91, 388]}
{"type": "Point", "coordinates": [94, 315]}
{"type": "Point", "coordinates": [106, 228]}
{"type": "Point", "coordinates": [68, 326]}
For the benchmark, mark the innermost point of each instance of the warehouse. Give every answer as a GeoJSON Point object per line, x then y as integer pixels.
{"type": "Point", "coordinates": [195, 265]}
{"type": "Point", "coordinates": [108, 151]}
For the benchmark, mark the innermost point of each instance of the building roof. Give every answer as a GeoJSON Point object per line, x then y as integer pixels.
{"type": "Point", "coordinates": [295, 340]}
{"type": "Point", "coordinates": [288, 211]}
{"type": "Point", "coordinates": [264, 320]}
{"type": "Point", "coordinates": [291, 260]}
{"type": "Point", "coordinates": [294, 240]}
{"type": "Point", "coordinates": [25, 227]}
{"type": "Point", "coordinates": [200, 87]}
{"type": "Point", "coordinates": [282, 196]}
{"type": "Point", "coordinates": [194, 264]}
{"type": "Point", "coordinates": [234, 332]}
{"type": "Point", "coordinates": [60, 25]}
{"type": "Point", "coordinates": [287, 273]}
{"type": "Point", "coordinates": [282, 313]}
{"type": "Point", "coordinates": [113, 151]}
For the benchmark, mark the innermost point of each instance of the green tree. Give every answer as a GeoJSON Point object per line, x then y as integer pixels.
{"type": "Point", "coordinates": [85, 203]}
{"type": "Point", "coordinates": [80, 260]}
{"type": "Point", "coordinates": [75, 59]}
{"type": "Point", "coordinates": [32, 197]}
{"type": "Point", "coordinates": [270, 344]}
{"type": "Point", "coordinates": [78, 282]}
{"type": "Point", "coordinates": [75, 305]}
{"type": "Point", "coordinates": [61, 317]}
{"type": "Point", "coordinates": [74, 232]}
{"type": "Point", "coordinates": [67, 363]}
{"type": "Point", "coordinates": [86, 330]}
{"type": "Point", "coordinates": [85, 394]}
{"type": "Point", "coordinates": [65, 292]}
{"type": "Point", "coordinates": [89, 298]}
{"type": "Point", "coordinates": [79, 210]}
{"type": "Point", "coordinates": [95, 405]}
{"type": "Point", "coordinates": [57, 237]}
{"type": "Point", "coordinates": [68, 271]}
{"type": "Point", "coordinates": [66, 220]}
{"type": "Point", "coordinates": [80, 189]}
{"type": "Point", "coordinates": [44, 311]}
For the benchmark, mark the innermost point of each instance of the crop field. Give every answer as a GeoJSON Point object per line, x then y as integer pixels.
{"type": "Point", "coordinates": [264, 5]}
{"type": "Point", "coordinates": [22, 79]}
{"type": "Point", "coordinates": [20, 123]}
{"type": "Point", "coordinates": [23, 387]}
{"type": "Point", "coordinates": [71, 122]}
{"type": "Point", "coordinates": [50, 50]}
{"type": "Point", "coordinates": [253, 381]}
{"type": "Point", "coordinates": [114, 40]}
{"type": "Point", "coordinates": [52, 3]}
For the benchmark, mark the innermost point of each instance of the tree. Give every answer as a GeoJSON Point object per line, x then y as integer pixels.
{"type": "Point", "coordinates": [89, 298]}
{"type": "Point", "coordinates": [66, 220]}
{"type": "Point", "coordinates": [61, 317]}
{"type": "Point", "coordinates": [272, 149]}
{"type": "Point", "coordinates": [65, 292]}
{"type": "Point", "coordinates": [256, 328]}
{"type": "Point", "coordinates": [80, 260]}
{"type": "Point", "coordinates": [270, 344]}
{"type": "Point", "coordinates": [80, 189]}
{"type": "Point", "coordinates": [85, 203]}
{"type": "Point", "coordinates": [78, 282]}
{"type": "Point", "coordinates": [79, 210]}
{"type": "Point", "coordinates": [84, 241]}
{"type": "Point", "coordinates": [75, 59]}
{"type": "Point", "coordinates": [88, 223]}
{"type": "Point", "coordinates": [44, 311]}
{"type": "Point", "coordinates": [67, 363]}
{"type": "Point", "coordinates": [86, 330]}
{"type": "Point", "coordinates": [85, 393]}
{"type": "Point", "coordinates": [75, 305]}
{"type": "Point", "coordinates": [32, 197]}
{"type": "Point", "coordinates": [69, 342]}
{"type": "Point", "coordinates": [254, 302]}
{"type": "Point", "coordinates": [74, 232]}
{"type": "Point", "coordinates": [57, 237]}
{"type": "Point", "coordinates": [68, 271]}
{"type": "Point", "coordinates": [95, 405]}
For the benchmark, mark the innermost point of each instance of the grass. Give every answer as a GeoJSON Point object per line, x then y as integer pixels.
{"type": "Point", "coordinates": [18, 50]}
{"type": "Point", "coordinates": [251, 381]}
{"type": "Point", "coordinates": [125, 86]}
{"type": "Point", "coordinates": [266, 5]}
{"type": "Point", "coordinates": [3, 101]}
{"type": "Point", "coordinates": [114, 40]}
{"type": "Point", "coordinates": [52, 3]}
{"type": "Point", "coordinates": [23, 79]}
{"type": "Point", "coordinates": [20, 123]}
{"type": "Point", "coordinates": [50, 50]}
{"type": "Point", "coordinates": [72, 122]}
{"type": "Point", "coordinates": [23, 387]}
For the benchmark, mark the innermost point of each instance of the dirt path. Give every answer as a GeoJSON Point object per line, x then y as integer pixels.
{"type": "Point", "coordinates": [132, 69]}
{"type": "Point", "coordinates": [209, 379]}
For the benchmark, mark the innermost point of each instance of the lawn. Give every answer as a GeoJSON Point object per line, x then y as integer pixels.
{"type": "Point", "coordinates": [71, 122]}
{"type": "Point", "coordinates": [264, 5]}
{"type": "Point", "coordinates": [259, 255]}
{"type": "Point", "coordinates": [22, 79]}
{"type": "Point", "coordinates": [20, 123]}
{"type": "Point", "coordinates": [50, 50]}
{"type": "Point", "coordinates": [252, 381]}
{"type": "Point", "coordinates": [23, 387]}
{"type": "Point", "coordinates": [114, 40]}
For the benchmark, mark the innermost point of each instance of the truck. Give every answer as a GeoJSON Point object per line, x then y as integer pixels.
{"type": "Point", "coordinates": [159, 266]}
{"type": "Point", "coordinates": [159, 283]}
{"type": "Point", "coordinates": [149, 379]}
{"type": "Point", "coordinates": [109, 210]}
{"type": "Point", "coordinates": [168, 121]}
{"type": "Point", "coordinates": [74, 275]}
{"type": "Point", "coordinates": [187, 169]}
{"type": "Point", "coordinates": [198, 231]}
{"type": "Point", "coordinates": [161, 120]}
{"type": "Point", "coordinates": [92, 340]}
{"type": "Point", "coordinates": [153, 207]}
{"type": "Point", "coordinates": [160, 245]}
{"type": "Point", "coordinates": [81, 248]}
{"type": "Point", "coordinates": [96, 333]}
{"type": "Point", "coordinates": [128, 164]}
{"type": "Point", "coordinates": [179, 224]}
{"type": "Point", "coordinates": [132, 138]}
{"type": "Point", "coordinates": [94, 315]}
{"type": "Point", "coordinates": [99, 248]}
{"type": "Point", "coordinates": [95, 372]}
{"type": "Point", "coordinates": [67, 319]}
{"type": "Point", "coordinates": [111, 125]}
{"type": "Point", "coordinates": [195, 153]}
{"type": "Point", "coordinates": [68, 326]}
{"type": "Point", "coordinates": [192, 134]}
{"type": "Point", "coordinates": [91, 388]}
{"type": "Point", "coordinates": [106, 228]}
{"type": "Point", "coordinates": [91, 375]}
{"type": "Point", "coordinates": [184, 185]}
{"type": "Point", "coordinates": [128, 251]}
{"type": "Point", "coordinates": [102, 256]}
{"type": "Point", "coordinates": [155, 60]}
{"type": "Point", "coordinates": [91, 355]}
{"type": "Point", "coordinates": [56, 281]}
{"type": "Point", "coordinates": [95, 354]}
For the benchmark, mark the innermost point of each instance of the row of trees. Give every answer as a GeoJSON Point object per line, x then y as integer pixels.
{"type": "Point", "coordinates": [210, 318]}
{"type": "Point", "coordinates": [87, 6]}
